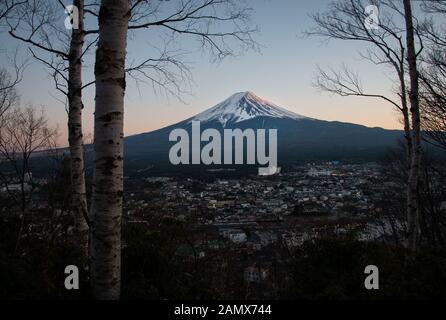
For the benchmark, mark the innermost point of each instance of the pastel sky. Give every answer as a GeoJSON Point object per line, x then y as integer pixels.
{"type": "Point", "coordinates": [282, 73]}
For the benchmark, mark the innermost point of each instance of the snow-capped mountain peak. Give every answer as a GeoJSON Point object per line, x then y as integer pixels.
{"type": "Point", "coordinates": [244, 106]}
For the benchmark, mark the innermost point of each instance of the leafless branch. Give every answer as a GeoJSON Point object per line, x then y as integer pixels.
{"type": "Point", "coordinates": [345, 83]}
{"type": "Point", "coordinates": [214, 23]}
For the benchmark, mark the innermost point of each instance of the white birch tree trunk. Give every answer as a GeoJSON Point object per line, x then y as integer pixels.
{"type": "Point", "coordinates": [414, 174]}
{"type": "Point", "coordinates": [406, 118]}
{"type": "Point", "coordinates": [75, 137]}
{"type": "Point", "coordinates": [106, 206]}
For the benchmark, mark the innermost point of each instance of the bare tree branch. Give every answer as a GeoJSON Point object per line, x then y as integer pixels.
{"type": "Point", "coordinates": [345, 83]}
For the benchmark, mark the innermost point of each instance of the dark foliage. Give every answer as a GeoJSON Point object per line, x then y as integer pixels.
{"type": "Point", "coordinates": [151, 268]}
{"type": "Point", "coordinates": [154, 269]}
{"type": "Point", "coordinates": [37, 271]}
{"type": "Point", "coordinates": [334, 269]}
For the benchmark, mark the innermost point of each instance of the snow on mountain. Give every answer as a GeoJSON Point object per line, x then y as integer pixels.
{"type": "Point", "coordinates": [244, 106]}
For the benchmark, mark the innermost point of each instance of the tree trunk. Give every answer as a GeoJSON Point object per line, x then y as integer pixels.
{"type": "Point", "coordinates": [75, 138]}
{"type": "Point", "coordinates": [106, 206]}
{"type": "Point", "coordinates": [406, 119]}
{"type": "Point", "coordinates": [414, 174]}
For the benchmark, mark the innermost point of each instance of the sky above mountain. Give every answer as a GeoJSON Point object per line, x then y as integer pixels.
{"type": "Point", "coordinates": [282, 72]}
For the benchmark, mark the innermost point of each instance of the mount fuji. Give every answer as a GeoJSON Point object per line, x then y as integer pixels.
{"type": "Point", "coordinates": [299, 138]}
{"type": "Point", "coordinates": [244, 106]}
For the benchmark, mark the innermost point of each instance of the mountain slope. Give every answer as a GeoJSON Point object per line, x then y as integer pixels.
{"type": "Point", "coordinates": [299, 138]}
{"type": "Point", "coordinates": [244, 106]}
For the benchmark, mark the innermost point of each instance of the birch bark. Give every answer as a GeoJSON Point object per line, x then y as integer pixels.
{"type": "Point", "coordinates": [414, 174]}
{"type": "Point", "coordinates": [106, 206]}
{"type": "Point", "coordinates": [75, 138]}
